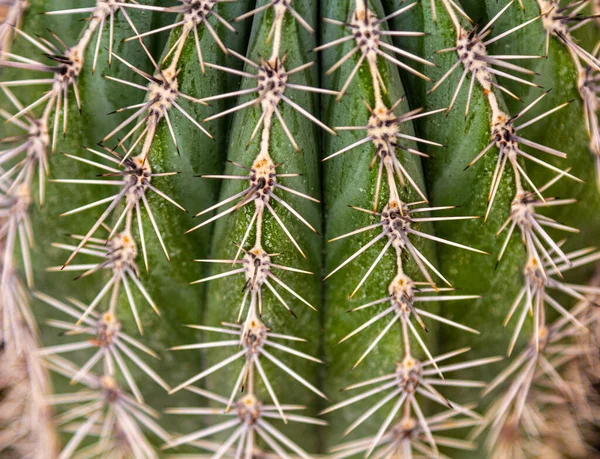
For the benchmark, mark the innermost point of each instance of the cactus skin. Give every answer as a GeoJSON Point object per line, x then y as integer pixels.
{"type": "Point", "coordinates": [340, 182]}
{"type": "Point", "coordinates": [356, 188]}
{"type": "Point", "coordinates": [85, 129]}
{"type": "Point", "coordinates": [230, 231]}
{"type": "Point", "coordinates": [172, 297]}
{"type": "Point", "coordinates": [464, 139]}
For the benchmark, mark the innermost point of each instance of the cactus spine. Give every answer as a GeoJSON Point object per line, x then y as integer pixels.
{"type": "Point", "coordinates": [269, 195]}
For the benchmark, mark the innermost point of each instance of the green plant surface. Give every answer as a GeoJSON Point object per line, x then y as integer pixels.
{"type": "Point", "coordinates": [297, 127]}
{"type": "Point", "coordinates": [565, 131]}
{"type": "Point", "coordinates": [450, 184]}
{"type": "Point", "coordinates": [225, 295]}
{"type": "Point", "coordinates": [167, 281]}
{"type": "Point", "coordinates": [349, 181]}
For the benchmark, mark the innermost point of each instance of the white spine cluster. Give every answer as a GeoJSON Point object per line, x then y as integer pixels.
{"type": "Point", "coordinates": [25, 415]}
{"type": "Point", "coordinates": [12, 14]}
{"type": "Point", "coordinates": [105, 409]}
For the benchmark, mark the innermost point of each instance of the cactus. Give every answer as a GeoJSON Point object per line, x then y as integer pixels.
{"type": "Point", "coordinates": [299, 228]}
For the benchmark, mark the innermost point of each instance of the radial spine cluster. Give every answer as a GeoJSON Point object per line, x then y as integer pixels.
{"type": "Point", "coordinates": [108, 416]}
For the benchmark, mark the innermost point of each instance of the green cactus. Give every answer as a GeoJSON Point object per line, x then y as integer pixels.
{"type": "Point", "coordinates": [386, 210]}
